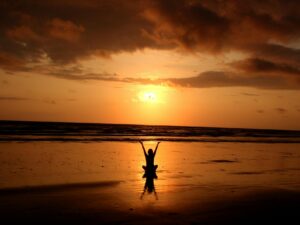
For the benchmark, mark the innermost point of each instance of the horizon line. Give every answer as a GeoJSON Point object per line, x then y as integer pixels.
{"type": "Point", "coordinates": [132, 124]}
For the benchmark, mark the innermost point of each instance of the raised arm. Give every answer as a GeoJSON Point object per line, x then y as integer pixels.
{"type": "Point", "coordinates": [156, 147]}
{"type": "Point", "coordinates": [143, 148]}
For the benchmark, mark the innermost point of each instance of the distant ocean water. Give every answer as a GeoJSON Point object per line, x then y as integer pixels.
{"type": "Point", "coordinates": [21, 131]}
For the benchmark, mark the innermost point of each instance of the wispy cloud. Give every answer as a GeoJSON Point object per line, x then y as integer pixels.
{"type": "Point", "coordinates": [4, 82]}
{"type": "Point", "coordinates": [281, 110]}
{"type": "Point", "coordinates": [49, 101]}
{"type": "Point", "coordinates": [260, 111]}
{"type": "Point", "coordinates": [16, 98]}
{"type": "Point", "coordinates": [203, 80]}
{"type": "Point", "coordinates": [249, 94]}
{"type": "Point", "coordinates": [13, 98]}
{"type": "Point", "coordinates": [71, 99]}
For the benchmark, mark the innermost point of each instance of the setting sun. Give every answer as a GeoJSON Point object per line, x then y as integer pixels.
{"type": "Point", "coordinates": [152, 95]}
{"type": "Point", "coordinates": [148, 97]}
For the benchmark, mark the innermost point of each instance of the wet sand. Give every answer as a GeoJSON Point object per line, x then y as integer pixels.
{"type": "Point", "coordinates": [102, 183]}
{"type": "Point", "coordinates": [101, 205]}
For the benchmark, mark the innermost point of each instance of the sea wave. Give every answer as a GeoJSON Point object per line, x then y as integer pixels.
{"type": "Point", "coordinates": [19, 131]}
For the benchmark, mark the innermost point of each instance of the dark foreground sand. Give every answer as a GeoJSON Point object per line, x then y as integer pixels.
{"type": "Point", "coordinates": [99, 203]}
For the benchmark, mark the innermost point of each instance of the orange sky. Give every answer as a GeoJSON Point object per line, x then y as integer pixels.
{"type": "Point", "coordinates": [152, 62]}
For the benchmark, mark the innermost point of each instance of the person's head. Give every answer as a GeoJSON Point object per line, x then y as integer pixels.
{"type": "Point", "coordinates": [150, 151]}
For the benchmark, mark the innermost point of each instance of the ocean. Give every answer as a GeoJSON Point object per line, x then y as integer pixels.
{"type": "Point", "coordinates": [23, 131]}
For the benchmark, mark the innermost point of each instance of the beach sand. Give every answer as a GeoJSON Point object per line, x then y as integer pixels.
{"type": "Point", "coordinates": [102, 205]}
{"type": "Point", "coordinates": [102, 183]}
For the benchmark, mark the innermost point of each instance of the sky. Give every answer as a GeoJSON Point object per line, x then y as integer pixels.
{"type": "Point", "coordinates": [185, 62]}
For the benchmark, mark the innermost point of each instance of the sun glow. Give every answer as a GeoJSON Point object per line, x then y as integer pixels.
{"type": "Point", "coordinates": [149, 97]}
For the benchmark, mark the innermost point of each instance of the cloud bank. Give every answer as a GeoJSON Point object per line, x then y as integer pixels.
{"type": "Point", "coordinates": [66, 31]}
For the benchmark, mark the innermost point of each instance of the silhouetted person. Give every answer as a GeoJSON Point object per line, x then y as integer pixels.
{"type": "Point", "coordinates": [150, 167]}
{"type": "Point", "coordinates": [150, 171]}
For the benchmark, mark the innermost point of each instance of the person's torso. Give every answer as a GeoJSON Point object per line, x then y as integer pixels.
{"type": "Point", "coordinates": [150, 160]}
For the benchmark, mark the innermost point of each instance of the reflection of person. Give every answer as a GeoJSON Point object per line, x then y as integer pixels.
{"type": "Point", "coordinates": [150, 157]}
{"type": "Point", "coordinates": [149, 186]}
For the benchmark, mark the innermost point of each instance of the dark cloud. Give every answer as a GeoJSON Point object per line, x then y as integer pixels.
{"type": "Point", "coordinates": [277, 53]}
{"type": "Point", "coordinates": [187, 23]}
{"type": "Point", "coordinates": [256, 65]}
{"type": "Point", "coordinates": [67, 31]}
{"type": "Point", "coordinates": [226, 25]}
{"type": "Point", "coordinates": [64, 31]}
{"type": "Point", "coordinates": [10, 62]}
{"type": "Point", "coordinates": [224, 79]}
